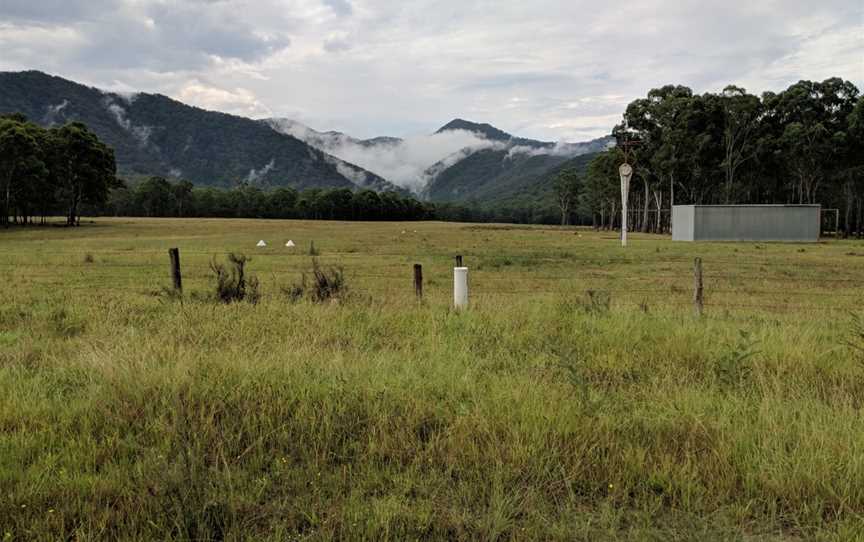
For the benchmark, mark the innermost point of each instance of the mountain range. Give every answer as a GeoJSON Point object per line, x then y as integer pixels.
{"type": "Point", "coordinates": [156, 135]}
{"type": "Point", "coordinates": [510, 166]}
{"type": "Point", "coordinates": [483, 164]}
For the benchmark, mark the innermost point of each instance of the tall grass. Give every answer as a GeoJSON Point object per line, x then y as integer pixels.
{"type": "Point", "coordinates": [125, 417]}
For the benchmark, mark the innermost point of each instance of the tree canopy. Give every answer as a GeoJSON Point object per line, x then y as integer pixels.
{"type": "Point", "coordinates": [802, 145]}
{"type": "Point", "coordinates": [44, 171]}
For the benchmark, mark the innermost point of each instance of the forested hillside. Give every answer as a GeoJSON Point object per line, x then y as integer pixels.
{"type": "Point", "coordinates": [510, 170]}
{"type": "Point", "coordinates": [804, 144]}
{"type": "Point", "coordinates": [154, 135]}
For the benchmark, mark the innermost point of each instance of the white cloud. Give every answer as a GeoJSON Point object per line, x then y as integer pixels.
{"type": "Point", "coordinates": [403, 162]}
{"type": "Point", "coordinates": [257, 174]}
{"type": "Point", "coordinates": [548, 69]}
{"type": "Point", "coordinates": [141, 133]}
{"type": "Point", "coordinates": [239, 101]}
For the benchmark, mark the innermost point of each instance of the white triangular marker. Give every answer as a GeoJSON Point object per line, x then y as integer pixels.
{"type": "Point", "coordinates": [289, 243]}
{"type": "Point", "coordinates": [261, 243]}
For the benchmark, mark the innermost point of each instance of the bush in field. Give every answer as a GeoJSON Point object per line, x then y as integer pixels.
{"type": "Point", "coordinates": [596, 301]}
{"type": "Point", "coordinates": [327, 284]}
{"type": "Point", "coordinates": [231, 281]}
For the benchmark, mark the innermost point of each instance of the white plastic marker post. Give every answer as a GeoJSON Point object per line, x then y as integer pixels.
{"type": "Point", "coordinates": [625, 171]}
{"type": "Point", "coordinates": [460, 285]}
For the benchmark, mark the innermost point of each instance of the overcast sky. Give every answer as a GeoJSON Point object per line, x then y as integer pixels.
{"type": "Point", "coordinates": [552, 70]}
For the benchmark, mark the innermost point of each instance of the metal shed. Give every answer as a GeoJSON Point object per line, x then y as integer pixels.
{"type": "Point", "coordinates": [788, 223]}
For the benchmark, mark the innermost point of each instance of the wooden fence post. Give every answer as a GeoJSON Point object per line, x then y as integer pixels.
{"type": "Point", "coordinates": [418, 280]}
{"type": "Point", "coordinates": [176, 279]}
{"type": "Point", "coordinates": [698, 295]}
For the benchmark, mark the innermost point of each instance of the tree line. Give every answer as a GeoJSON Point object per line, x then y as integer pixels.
{"type": "Point", "coordinates": [67, 171]}
{"type": "Point", "coordinates": [45, 172]}
{"type": "Point", "coordinates": [157, 197]}
{"type": "Point", "coordinates": [804, 145]}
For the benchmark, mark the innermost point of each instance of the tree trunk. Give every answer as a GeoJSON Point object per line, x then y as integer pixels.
{"type": "Point", "coordinates": [671, 197]}
{"type": "Point", "coordinates": [644, 228]}
{"type": "Point", "coordinates": [73, 209]}
{"type": "Point", "coordinates": [658, 196]}
{"type": "Point", "coordinates": [6, 204]}
{"type": "Point", "coordinates": [729, 175]}
{"type": "Point", "coordinates": [860, 221]}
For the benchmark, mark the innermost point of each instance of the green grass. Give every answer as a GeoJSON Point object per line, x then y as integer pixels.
{"type": "Point", "coordinates": [535, 415]}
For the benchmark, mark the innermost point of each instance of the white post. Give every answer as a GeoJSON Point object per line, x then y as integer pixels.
{"type": "Point", "coordinates": [460, 287]}
{"type": "Point", "coordinates": [625, 172]}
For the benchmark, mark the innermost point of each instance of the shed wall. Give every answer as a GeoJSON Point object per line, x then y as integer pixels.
{"type": "Point", "coordinates": [787, 223]}
{"type": "Point", "coordinates": [682, 222]}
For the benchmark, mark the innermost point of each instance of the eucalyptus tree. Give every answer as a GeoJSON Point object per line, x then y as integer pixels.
{"type": "Point", "coordinates": [367, 205]}
{"type": "Point", "coordinates": [853, 172]}
{"type": "Point", "coordinates": [600, 188]}
{"type": "Point", "coordinates": [566, 193]}
{"type": "Point", "coordinates": [810, 118]}
{"type": "Point", "coordinates": [281, 202]}
{"type": "Point", "coordinates": [657, 122]}
{"type": "Point", "coordinates": [154, 196]}
{"type": "Point", "coordinates": [21, 165]}
{"type": "Point", "coordinates": [181, 192]}
{"type": "Point", "coordinates": [741, 115]}
{"type": "Point", "coordinates": [83, 168]}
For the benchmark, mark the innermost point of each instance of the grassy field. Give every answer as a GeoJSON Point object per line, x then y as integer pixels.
{"type": "Point", "coordinates": [541, 413]}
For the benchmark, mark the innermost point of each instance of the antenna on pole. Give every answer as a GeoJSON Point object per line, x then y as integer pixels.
{"type": "Point", "coordinates": [625, 172]}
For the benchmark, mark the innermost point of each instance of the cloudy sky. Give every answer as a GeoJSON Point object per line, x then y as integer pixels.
{"type": "Point", "coordinates": [552, 70]}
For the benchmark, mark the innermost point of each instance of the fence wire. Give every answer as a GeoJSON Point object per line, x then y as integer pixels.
{"type": "Point", "coordinates": [667, 281]}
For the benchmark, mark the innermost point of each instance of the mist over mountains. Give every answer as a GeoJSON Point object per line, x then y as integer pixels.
{"type": "Point", "coordinates": [156, 135]}
{"type": "Point", "coordinates": [402, 161]}
{"type": "Point", "coordinates": [416, 161]}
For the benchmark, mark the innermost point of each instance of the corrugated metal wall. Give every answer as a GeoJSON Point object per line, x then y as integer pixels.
{"type": "Point", "coordinates": [788, 223]}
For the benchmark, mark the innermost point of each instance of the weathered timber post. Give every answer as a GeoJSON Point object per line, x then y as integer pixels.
{"type": "Point", "coordinates": [698, 295]}
{"type": "Point", "coordinates": [176, 279]}
{"type": "Point", "coordinates": [418, 281]}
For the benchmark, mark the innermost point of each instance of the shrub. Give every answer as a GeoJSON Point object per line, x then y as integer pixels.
{"type": "Point", "coordinates": [328, 284]}
{"type": "Point", "coordinates": [733, 366]}
{"type": "Point", "coordinates": [297, 291]}
{"type": "Point", "coordinates": [62, 324]}
{"type": "Point", "coordinates": [596, 301]}
{"type": "Point", "coordinates": [231, 282]}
